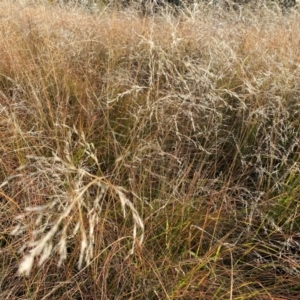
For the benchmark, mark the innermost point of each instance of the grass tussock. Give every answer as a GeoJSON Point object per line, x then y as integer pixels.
{"type": "Point", "coordinates": [149, 157]}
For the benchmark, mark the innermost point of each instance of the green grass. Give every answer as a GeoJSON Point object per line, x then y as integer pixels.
{"type": "Point", "coordinates": [149, 157]}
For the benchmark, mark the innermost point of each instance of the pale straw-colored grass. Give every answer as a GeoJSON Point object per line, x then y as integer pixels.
{"type": "Point", "coordinates": [158, 154]}
{"type": "Point", "coordinates": [74, 210]}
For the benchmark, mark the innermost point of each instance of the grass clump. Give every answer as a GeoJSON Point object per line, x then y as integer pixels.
{"type": "Point", "coordinates": [149, 157]}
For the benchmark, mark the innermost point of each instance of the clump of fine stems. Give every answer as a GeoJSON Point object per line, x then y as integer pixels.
{"type": "Point", "coordinates": [149, 153]}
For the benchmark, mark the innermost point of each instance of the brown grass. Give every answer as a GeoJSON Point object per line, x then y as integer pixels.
{"type": "Point", "coordinates": [151, 157]}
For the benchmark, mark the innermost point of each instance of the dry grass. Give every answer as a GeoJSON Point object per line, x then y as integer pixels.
{"type": "Point", "coordinates": [149, 157]}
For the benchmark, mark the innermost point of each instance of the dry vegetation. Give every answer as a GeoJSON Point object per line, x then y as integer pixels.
{"type": "Point", "coordinates": [149, 157]}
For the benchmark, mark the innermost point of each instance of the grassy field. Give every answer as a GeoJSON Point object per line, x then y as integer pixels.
{"type": "Point", "coordinates": [149, 157]}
